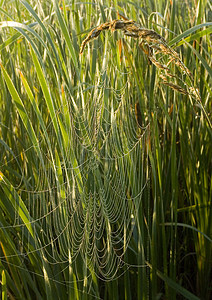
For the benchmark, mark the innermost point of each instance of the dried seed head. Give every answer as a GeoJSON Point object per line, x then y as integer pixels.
{"type": "Point", "coordinates": [194, 92]}
{"type": "Point", "coordinates": [158, 65]}
{"type": "Point", "coordinates": [105, 26]}
{"type": "Point", "coordinates": [120, 24]}
{"type": "Point", "coordinates": [151, 36]}
{"type": "Point", "coordinates": [164, 77]}
{"type": "Point", "coordinates": [149, 41]}
{"type": "Point", "coordinates": [175, 87]}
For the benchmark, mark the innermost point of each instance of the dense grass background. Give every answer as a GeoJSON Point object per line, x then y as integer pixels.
{"type": "Point", "coordinates": [105, 173]}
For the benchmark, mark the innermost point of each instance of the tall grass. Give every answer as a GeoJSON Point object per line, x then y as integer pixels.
{"type": "Point", "coordinates": [105, 167]}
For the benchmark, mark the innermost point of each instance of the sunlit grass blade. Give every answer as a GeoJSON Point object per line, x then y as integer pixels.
{"type": "Point", "coordinates": [66, 35]}
{"type": "Point", "coordinates": [196, 36]}
{"type": "Point", "coordinates": [22, 111]}
{"type": "Point", "coordinates": [183, 35]}
{"type": "Point", "coordinates": [4, 286]}
{"type": "Point", "coordinates": [47, 96]}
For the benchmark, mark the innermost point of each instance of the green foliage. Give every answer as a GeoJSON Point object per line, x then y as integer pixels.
{"type": "Point", "coordinates": [105, 172]}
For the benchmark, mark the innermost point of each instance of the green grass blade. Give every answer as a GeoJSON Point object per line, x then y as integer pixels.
{"type": "Point", "coordinates": [187, 32]}
{"type": "Point", "coordinates": [196, 36]}
{"type": "Point", "coordinates": [202, 60]}
{"type": "Point", "coordinates": [46, 93]}
{"type": "Point", "coordinates": [175, 286]}
{"type": "Point", "coordinates": [4, 286]}
{"type": "Point", "coordinates": [66, 36]}
{"type": "Point", "coordinates": [17, 203]}
{"type": "Point", "coordinates": [21, 109]}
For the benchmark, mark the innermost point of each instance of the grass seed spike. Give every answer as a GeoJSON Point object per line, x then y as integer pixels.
{"type": "Point", "coordinates": [152, 44]}
{"type": "Point", "coordinates": [149, 40]}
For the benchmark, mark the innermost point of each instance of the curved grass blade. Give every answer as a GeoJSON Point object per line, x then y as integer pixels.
{"type": "Point", "coordinates": [202, 60]}
{"type": "Point", "coordinates": [175, 286]}
{"type": "Point", "coordinates": [36, 17]}
{"type": "Point", "coordinates": [22, 28]}
{"type": "Point", "coordinates": [196, 36]}
{"type": "Point", "coordinates": [190, 227]}
{"type": "Point", "coordinates": [187, 32]}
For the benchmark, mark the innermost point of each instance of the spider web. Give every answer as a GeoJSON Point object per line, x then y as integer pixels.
{"type": "Point", "coordinates": [86, 211]}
